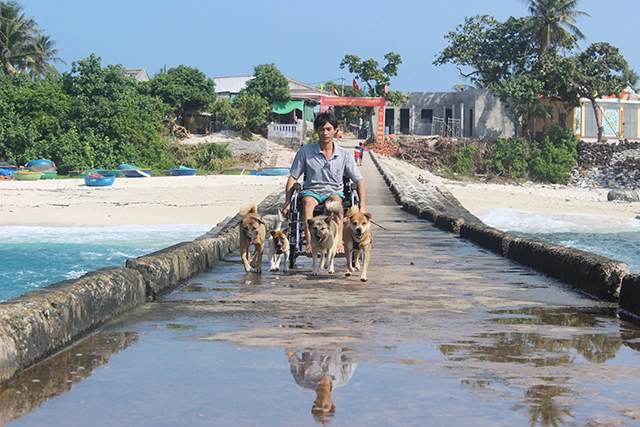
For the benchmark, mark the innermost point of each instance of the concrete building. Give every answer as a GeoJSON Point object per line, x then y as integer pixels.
{"type": "Point", "coordinates": [474, 113]}
{"type": "Point", "coordinates": [140, 74]}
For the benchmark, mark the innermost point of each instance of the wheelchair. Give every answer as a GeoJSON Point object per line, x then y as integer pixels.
{"type": "Point", "coordinates": [296, 234]}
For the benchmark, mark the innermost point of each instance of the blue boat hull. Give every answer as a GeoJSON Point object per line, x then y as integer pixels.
{"type": "Point", "coordinates": [99, 181]}
{"type": "Point", "coordinates": [182, 172]}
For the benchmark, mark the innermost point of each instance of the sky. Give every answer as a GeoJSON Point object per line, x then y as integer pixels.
{"type": "Point", "coordinates": [305, 40]}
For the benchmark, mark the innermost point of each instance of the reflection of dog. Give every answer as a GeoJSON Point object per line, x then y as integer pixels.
{"type": "Point", "coordinates": [252, 232]}
{"type": "Point", "coordinates": [324, 236]}
{"type": "Point", "coordinates": [357, 239]}
{"type": "Point", "coordinates": [278, 246]}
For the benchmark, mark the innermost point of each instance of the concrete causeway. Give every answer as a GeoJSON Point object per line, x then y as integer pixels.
{"type": "Point", "coordinates": [445, 333]}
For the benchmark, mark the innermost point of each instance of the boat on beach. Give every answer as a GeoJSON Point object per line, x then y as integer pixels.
{"type": "Point", "coordinates": [49, 175]}
{"type": "Point", "coordinates": [137, 173]}
{"type": "Point", "coordinates": [25, 175]}
{"type": "Point", "coordinates": [274, 171]}
{"type": "Point", "coordinates": [97, 180]}
{"type": "Point", "coordinates": [182, 171]}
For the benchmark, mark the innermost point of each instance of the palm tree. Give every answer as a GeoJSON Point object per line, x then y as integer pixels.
{"type": "Point", "coordinates": [552, 23]}
{"type": "Point", "coordinates": [42, 54]}
{"type": "Point", "coordinates": [23, 48]}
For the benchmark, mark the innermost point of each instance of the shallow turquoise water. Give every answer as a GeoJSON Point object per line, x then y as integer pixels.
{"type": "Point", "coordinates": [32, 257]}
{"type": "Point", "coordinates": [615, 238]}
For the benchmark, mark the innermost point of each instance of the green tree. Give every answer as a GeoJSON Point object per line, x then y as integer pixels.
{"type": "Point", "coordinates": [377, 79]}
{"type": "Point", "coordinates": [597, 72]}
{"type": "Point", "coordinates": [486, 51]}
{"type": "Point", "coordinates": [183, 89]}
{"type": "Point", "coordinates": [268, 83]}
{"type": "Point", "coordinates": [23, 47]}
{"type": "Point", "coordinates": [553, 23]}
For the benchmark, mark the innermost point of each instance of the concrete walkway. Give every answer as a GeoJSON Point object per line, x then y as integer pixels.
{"type": "Point", "coordinates": [444, 333]}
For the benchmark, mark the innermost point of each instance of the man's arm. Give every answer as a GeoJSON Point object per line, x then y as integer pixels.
{"type": "Point", "coordinates": [288, 193]}
{"type": "Point", "coordinates": [362, 194]}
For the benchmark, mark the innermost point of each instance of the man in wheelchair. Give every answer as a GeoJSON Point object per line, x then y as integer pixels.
{"type": "Point", "coordinates": [324, 166]}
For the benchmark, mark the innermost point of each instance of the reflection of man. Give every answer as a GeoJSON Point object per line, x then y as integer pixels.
{"type": "Point", "coordinates": [323, 164]}
{"type": "Point", "coordinates": [321, 370]}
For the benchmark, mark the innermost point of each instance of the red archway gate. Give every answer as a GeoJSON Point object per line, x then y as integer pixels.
{"type": "Point", "coordinates": [343, 101]}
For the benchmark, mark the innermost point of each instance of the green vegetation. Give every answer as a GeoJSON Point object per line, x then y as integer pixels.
{"type": "Point", "coordinates": [549, 160]}
{"type": "Point", "coordinates": [525, 59]}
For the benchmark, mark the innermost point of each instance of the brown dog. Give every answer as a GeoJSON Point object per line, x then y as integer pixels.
{"type": "Point", "coordinates": [357, 239]}
{"type": "Point", "coordinates": [278, 246]}
{"type": "Point", "coordinates": [324, 237]}
{"type": "Point", "coordinates": [252, 232]}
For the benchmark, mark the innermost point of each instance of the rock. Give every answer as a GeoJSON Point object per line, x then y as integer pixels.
{"type": "Point", "coordinates": [623, 195]}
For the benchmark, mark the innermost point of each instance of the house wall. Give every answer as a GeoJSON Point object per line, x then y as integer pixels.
{"type": "Point", "coordinates": [481, 115]}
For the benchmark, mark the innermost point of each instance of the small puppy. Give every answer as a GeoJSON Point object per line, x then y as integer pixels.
{"type": "Point", "coordinates": [357, 239]}
{"type": "Point", "coordinates": [252, 232]}
{"type": "Point", "coordinates": [278, 246]}
{"type": "Point", "coordinates": [324, 237]}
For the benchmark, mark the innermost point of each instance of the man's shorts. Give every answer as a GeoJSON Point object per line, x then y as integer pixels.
{"type": "Point", "coordinates": [319, 198]}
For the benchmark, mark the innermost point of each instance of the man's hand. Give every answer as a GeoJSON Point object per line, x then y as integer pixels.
{"type": "Point", "coordinates": [286, 209]}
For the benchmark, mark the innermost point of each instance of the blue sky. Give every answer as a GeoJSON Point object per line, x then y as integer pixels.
{"type": "Point", "coordinates": [305, 40]}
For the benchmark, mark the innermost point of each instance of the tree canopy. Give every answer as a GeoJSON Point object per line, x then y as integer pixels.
{"type": "Point", "coordinates": [377, 79]}
{"type": "Point", "coordinates": [23, 47]}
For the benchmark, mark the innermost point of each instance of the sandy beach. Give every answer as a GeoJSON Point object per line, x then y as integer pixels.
{"type": "Point", "coordinates": [210, 199]}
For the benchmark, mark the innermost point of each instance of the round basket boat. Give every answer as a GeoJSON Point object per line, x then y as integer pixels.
{"type": "Point", "coordinates": [274, 171]}
{"type": "Point", "coordinates": [27, 175]}
{"type": "Point", "coordinates": [95, 180]}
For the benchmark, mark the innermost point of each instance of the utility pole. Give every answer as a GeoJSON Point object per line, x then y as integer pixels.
{"type": "Point", "coordinates": [343, 86]}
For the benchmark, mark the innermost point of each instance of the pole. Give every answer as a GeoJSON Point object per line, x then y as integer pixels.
{"type": "Point", "coordinates": [343, 86]}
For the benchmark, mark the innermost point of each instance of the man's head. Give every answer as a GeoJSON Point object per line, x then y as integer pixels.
{"type": "Point", "coordinates": [325, 125]}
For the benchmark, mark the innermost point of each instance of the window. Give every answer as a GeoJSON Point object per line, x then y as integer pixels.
{"type": "Point", "coordinates": [426, 114]}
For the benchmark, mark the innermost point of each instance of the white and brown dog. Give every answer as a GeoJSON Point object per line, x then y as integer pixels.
{"type": "Point", "coordinates": [324, 237]}
{"type": "Point", "coordinates": [357, 239]}
{"type": "Point", "coordinates": [252, 232]}
{"type": "Point", "coordinates": [278, 246]}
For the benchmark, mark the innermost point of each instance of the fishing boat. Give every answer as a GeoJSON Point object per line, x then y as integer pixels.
{"type": "Point", "coordinates": [97, 180]}
{"type": "Point", "coordinates": [137, 173]}
{"type": "Point", "coordinates": [24, 175]}
{"type": "Point", "coordinates": [49, 174]}
{"type": "Point", "coordinates": [41, 162]}
{"type": "Point", "coordinates": [116, 172]}
{"type": "Point", "coordinates": [182, 171]}
{"type": "Point", "coordinates": [274, 171]}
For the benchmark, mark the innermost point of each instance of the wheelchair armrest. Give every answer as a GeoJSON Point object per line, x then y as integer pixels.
{"type": "Point", "coordinates": [297, 187]}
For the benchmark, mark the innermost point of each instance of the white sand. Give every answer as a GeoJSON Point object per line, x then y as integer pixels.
{"type": "Point", "coordinates": [210, 199]}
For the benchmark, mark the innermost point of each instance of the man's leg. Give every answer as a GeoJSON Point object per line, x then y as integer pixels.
{"type": "Point", "coordinates": [340, 221]}
{"type": "Point", "coordinates": [308, 204]}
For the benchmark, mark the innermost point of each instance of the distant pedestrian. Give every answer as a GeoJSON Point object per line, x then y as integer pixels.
{"type": "Point", "coordinates": [360, 155]}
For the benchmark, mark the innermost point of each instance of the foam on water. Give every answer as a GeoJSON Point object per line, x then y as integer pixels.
{"type": "Point", "coordinates": [613, 237]}
{"type": "Point", "coordinates": [32, 257]}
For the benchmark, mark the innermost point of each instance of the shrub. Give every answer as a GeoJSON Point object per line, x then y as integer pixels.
{"type": "Point", "coordinates": [510, 158]}
{"type": "Point", "coordinates": [463, 161]}
{"type": "Point", "coordinates": [553, 158]}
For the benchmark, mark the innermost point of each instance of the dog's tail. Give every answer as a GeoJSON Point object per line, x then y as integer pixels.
{"type": "Point", "coordinates": [249, 208]}
{"type": "Point", "coordinates": [279, 221]}
{"type": "Point", "coordinates": [333, 207]}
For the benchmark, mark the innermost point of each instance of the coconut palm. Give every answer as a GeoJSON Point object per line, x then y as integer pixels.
{"type": "Point", "coordinates": [23, 48]}
{"type": "Point", "coordinates": [552, 23]}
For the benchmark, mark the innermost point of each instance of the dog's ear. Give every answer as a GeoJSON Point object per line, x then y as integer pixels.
{"type": "Point", "coordinates": [272, 232]}
{"type": "Point", "coordinates": [286, 231]}
{"type": "Point", "coordinates": [328, 220]}
{"type": "Point", "coordinates": [368, 215]}
{"type": "Point", "coordinates": [310, 222]}
{"type": "Point", "coordinates": [260, 220]}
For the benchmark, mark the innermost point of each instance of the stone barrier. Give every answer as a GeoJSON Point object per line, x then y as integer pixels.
{"type": "Point", "coordinates": [592, 274]}
{"type": "Point", "coordinates": [630, 296]}
{"type": "Point", "coordinates": [41, 322]}
{"type": "Point", "coordinates": [44, 321]}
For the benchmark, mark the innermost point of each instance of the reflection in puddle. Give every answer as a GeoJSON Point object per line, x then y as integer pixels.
{"type": "Point", "coordinates": [321, 370]}
{"type": "Point", "coordinates": [59, 373]}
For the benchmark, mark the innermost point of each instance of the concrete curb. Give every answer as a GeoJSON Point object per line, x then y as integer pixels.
{"type": "Point", "coordinates": [42, 322]}
{"type": "Point", "coordinates": [595, 275]}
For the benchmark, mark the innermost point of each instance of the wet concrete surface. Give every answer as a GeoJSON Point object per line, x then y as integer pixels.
{"type": "Point", "coordinates": [443, 334]}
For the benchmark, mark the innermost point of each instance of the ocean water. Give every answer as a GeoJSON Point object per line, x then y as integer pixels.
{"type": "Point", "coordinates": [32, 257]}
{"type": "Point", "coordinates": [615, 238]}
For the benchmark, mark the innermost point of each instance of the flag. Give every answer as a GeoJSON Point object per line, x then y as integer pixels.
{"type": "Point", "coordinates": [355, 85]}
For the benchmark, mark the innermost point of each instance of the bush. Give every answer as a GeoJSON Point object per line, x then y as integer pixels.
{"type": "Point", "coordinates": [553, 158]}
{"type": "Point", "coordinates": [510, 158]}
{"type": "Point", "coordinates": [463, 161]}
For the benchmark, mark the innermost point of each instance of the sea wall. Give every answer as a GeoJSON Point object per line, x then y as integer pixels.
{"type": "Point", "coordinates": [42, 322]}
{"type": "Point", "coordinates": [595, 275]}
